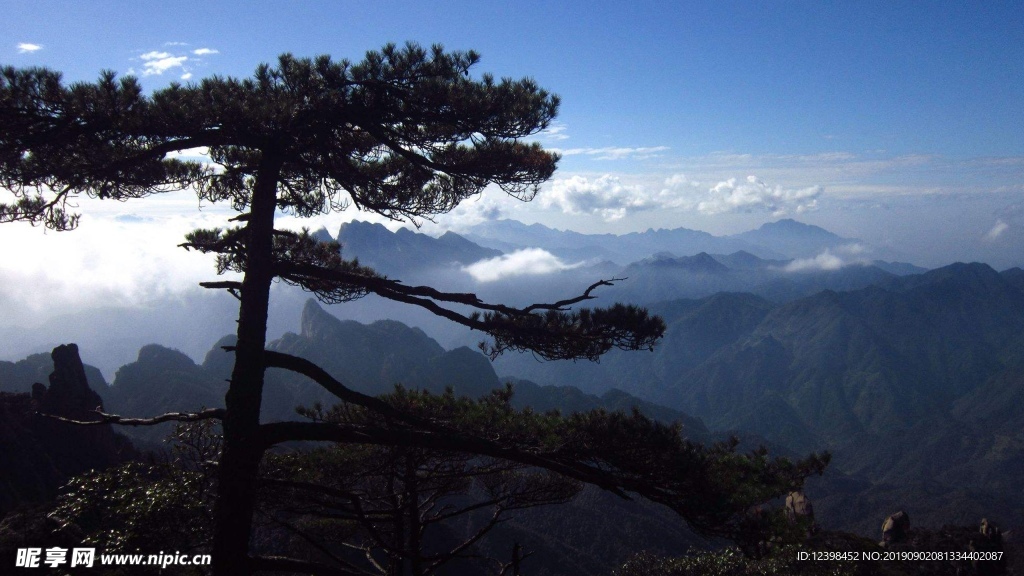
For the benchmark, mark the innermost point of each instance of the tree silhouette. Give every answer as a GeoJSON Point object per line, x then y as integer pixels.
{"type": "Point", "coordinates": [407, 133]}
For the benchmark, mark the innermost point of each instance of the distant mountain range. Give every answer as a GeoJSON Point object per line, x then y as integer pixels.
{"type": "Point", "coordinates": [917, 378]}
{"type": "Point", "coordinates": [914, 383]}
{"type": "Point", "coordinates": [781, 240]}
{"type": "Point", "coordinates": [788, 335]}
{"type": "Point", "coordinates": [405, 250]}
{"type": "Point", "coordinates": [780, 261]}
{"type": "Point", "coordinates": [656, 262]}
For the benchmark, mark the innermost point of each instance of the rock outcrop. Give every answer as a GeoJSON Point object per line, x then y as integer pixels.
{"type": "Point", "coordinates": [895, 528]}
{"type": "Point", "coordinates": [39, 453]}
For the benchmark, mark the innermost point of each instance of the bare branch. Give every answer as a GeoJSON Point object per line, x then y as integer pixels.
{"type": "Point", "coordinates": [562, 304]}
{"type": "Point", "coordinates": [210, 413]}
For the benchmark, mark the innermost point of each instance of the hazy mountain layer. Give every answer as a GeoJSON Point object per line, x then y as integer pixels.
{"type": "Point", "coordinates": [190, 322]}
{"type": "Point", "coordinates": [920, 377]}
{"type": "Point", "coordinates": [781, 240]}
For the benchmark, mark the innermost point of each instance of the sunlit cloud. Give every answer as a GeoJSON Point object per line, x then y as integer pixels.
{"type": "Point", "coordinates": [606, 196]}
{"type": "Point", "coordinates": [528, 262]}
{"type": "Point", "coordinates": [754, 195]}
{"type": "Point", "coordinates": [121, 258]}
{"type": "Point", "coordinates": [611, 199]}
{"type": "Point", "coordinates": [25, 48]}
{"type": "Point", "coordinates": [156, 63]}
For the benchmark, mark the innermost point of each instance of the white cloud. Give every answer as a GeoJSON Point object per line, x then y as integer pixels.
{"type": "Point", "coordinates": [25, 47]}
{"type": "Point", "coordinates": [754, 195]}
{"type": "Point", "coordinates": [997, 230]}
{"type": "Point", "coordinates": [614, 152]}
{"type": "Point", "coordinates": [528, 262]}
{"type": "Point", "coordinates": [556, 131]}
{"type": "Point", "coordinates": [611, 199]}
{"type": "Point", "coordinates": [156, 63]}
{"type": "Point", "coordinates": [154, 55]}
{"type": "Point", "coordinates": [606, 196]}
{"type": "Point", "coordinates": [832, 259]}
{"type": "Point", "coordinates": [117, 257]}
{"type": "Point", "coordinates": [824, 261]}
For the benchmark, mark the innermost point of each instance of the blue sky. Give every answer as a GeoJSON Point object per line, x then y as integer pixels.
{"type": "Point", "coordinates": [899, 123]}
{"type": "Point", "coordinates": [749, 77]}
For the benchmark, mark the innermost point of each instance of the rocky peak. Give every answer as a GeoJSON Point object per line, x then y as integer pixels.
{"type": "Point", "coordinates": [313, 319]}
{"type": "Point", "coordinates": [69, 394]}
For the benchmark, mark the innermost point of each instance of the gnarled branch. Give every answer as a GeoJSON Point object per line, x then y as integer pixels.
{"type": "Point", "coordinates": [554, 334]}
{"type": "Point", "coordinates": [209, 413]}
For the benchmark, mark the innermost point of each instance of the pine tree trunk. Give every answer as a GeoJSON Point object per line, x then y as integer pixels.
{"type": "Point", "coordinates": [241, 452]}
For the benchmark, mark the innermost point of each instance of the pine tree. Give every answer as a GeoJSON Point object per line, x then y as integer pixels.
{"type": "Point", "coordinates": [407, 133]}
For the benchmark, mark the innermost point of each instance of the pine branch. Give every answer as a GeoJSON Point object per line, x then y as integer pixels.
{"type": "Point", "coordinates": [556, 334]}
{"type": "Point", "coordinates": [210, 413]}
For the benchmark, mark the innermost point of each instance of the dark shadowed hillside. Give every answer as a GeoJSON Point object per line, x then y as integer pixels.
{"type": "Point", "coordinates": [588, 536]}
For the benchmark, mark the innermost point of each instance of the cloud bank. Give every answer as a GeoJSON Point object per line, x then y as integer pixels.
{"type": "Point", "coordinates": [608, 197]}
{"type": "Point", "coordinates": [113, 259]}
{"type": "Point", "coordinates": [527, 262]}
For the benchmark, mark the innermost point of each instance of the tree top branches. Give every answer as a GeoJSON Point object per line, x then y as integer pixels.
{"type": "Point", "coordinates": [406, 133]}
